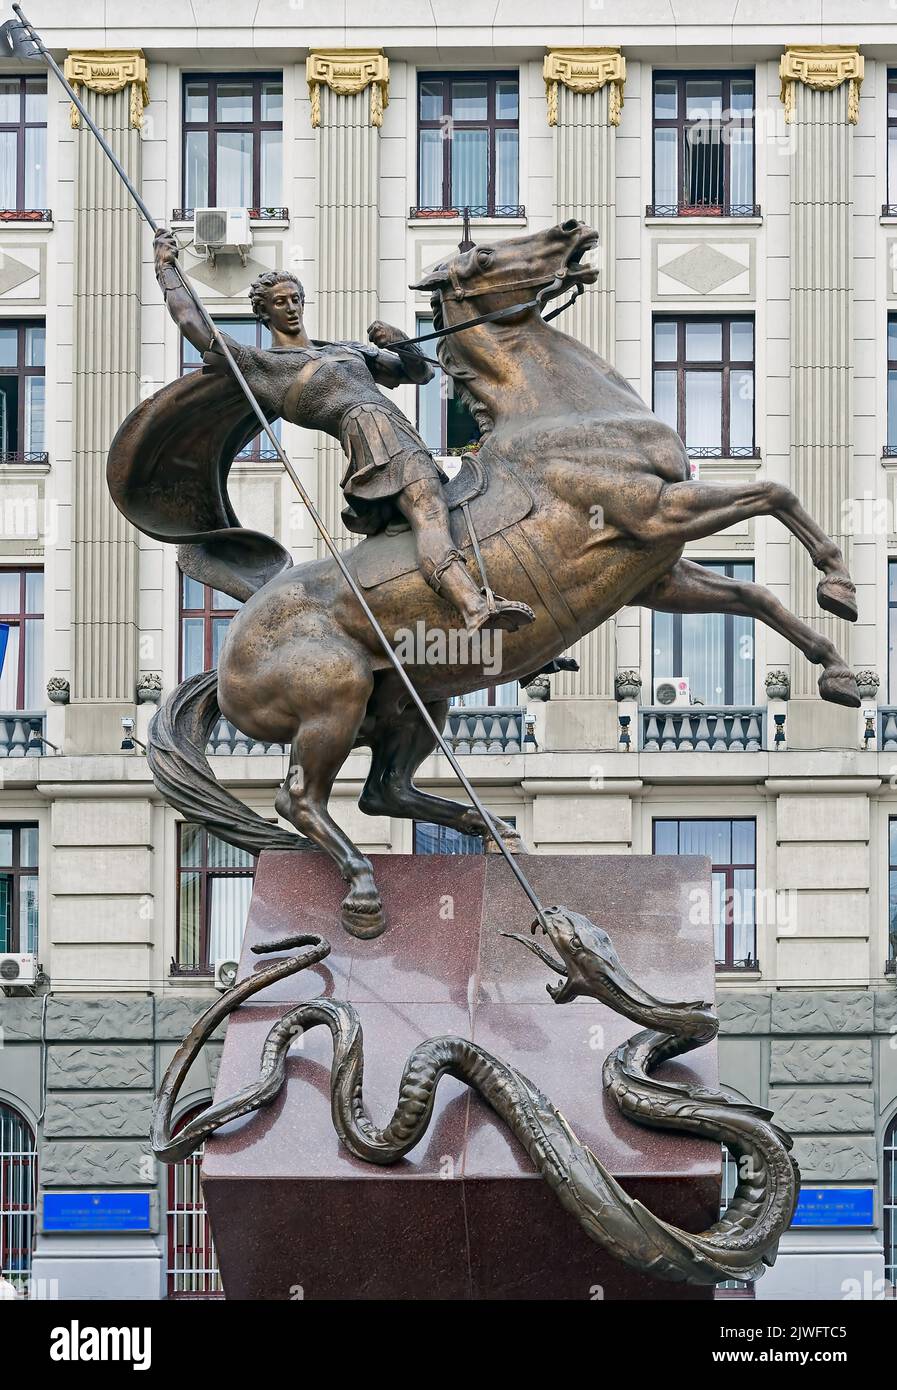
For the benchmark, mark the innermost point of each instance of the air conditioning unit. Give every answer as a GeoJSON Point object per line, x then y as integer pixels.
{"type": "Point", "coordinates": [222, 229]}
{"type": "Point", "coordinates": [18, 970]}
{"type": "Point", "coordinates": [226, 972]}
{"type": "Point", "coordinates": [671, 690]}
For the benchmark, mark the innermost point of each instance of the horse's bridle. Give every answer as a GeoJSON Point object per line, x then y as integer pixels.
{"type": "Point", "coordinates": [460, 294]}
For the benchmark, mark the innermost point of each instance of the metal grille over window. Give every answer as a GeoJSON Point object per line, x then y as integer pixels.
{"type": "Point", "coordinates": [18, 1198]}
{"type": "Point", "coordinates": [192, 1262]}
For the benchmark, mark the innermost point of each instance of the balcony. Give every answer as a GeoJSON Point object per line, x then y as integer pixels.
{"type": "Point", "coordinates": [485, 729]}
{"type": "Point", "coordinates": [226, 741]}
{"type": "Point", "coordinates": [25, 214]}
{"type": "Point", "coordinates": [887, 728]}
{"type": "Point", "coordinates": [702, 210]}
{"type": "Point", "coordinates": [512, 210]}
{"type": "Point", "coordinates": [23, 456]}
{"type": "Point", "coordinates": [255, 214]}
{"type": "Point", "coordinates": [703, 729]}
{"type": "Point", "coordinates": [15, 731]}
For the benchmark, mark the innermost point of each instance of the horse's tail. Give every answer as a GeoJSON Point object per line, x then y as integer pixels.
{"type": "Point", "coordinates": [175, 753]}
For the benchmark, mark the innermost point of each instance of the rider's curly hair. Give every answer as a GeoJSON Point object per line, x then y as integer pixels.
{"type": "Point", "coordinates": [260, 287]}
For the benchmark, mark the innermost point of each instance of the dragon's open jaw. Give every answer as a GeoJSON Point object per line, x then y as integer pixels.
{"type": "Point", "coordinates": [556, 991]}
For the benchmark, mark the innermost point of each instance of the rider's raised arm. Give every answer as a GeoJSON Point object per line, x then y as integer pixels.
{"type": "Point", "coordinates": [189, 320]}
{"type": "Point", "coordinates": [390, 368]}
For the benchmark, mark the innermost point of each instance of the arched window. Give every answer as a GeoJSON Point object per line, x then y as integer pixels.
{"type": "Point", "coordinates": [192, 1262]}
{"type": "Point", "coordinates": [18, 1196]}
{"type": "Point", "coordinates": [889, 1203]}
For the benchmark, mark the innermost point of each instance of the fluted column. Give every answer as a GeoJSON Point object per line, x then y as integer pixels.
{"type": "Point", "coordinates": [584, 92]}
{"type": "Point", "coordinates": [820, 91]}
{"type": "Point", "coordinates": [106, 296]}
{"type": "Point", "coordinates": [349, 89]}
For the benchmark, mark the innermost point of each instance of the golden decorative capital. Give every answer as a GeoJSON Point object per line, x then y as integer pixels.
{"type": "Point", "coordinates": [348, 71]}
{"type": "Point", "coordinates": [584, 70]}
{"type": "Point", "coordinates": [108, 71]}
{"type": "Point", "coordinates": [822, 67]}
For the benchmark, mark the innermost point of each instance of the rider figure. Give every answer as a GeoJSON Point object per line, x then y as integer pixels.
{"type": "Point", "coordinates": [333, 387]}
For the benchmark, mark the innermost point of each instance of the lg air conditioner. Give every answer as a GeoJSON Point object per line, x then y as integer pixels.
{"type": "Point", "coordinates": [217, 230]}
{"type": "Point", "coordinates": [671, 690]}
{"type": "Point", "coordinates": [225, 972]}
{"type": "Point", "coordinates": [18, 970]}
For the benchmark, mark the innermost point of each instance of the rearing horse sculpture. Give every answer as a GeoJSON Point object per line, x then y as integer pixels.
{"type": "Point", "coordinates": [588, 507]}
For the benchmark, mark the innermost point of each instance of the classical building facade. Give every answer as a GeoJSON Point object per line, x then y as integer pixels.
{"type": "Point", "coordinates": [741, 171]}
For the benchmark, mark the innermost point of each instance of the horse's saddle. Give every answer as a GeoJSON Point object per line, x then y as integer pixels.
{"type": "Point", "coordinates": [492, 503]}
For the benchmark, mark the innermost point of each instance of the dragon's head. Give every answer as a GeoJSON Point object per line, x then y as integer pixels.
{"type": "Point", "coordinates": [589, 965]}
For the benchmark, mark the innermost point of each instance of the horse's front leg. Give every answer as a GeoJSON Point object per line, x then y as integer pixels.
{"type": "Point", "coordinates": [692, 511]}
{"type": "Point", "coordinates": [690, 588]}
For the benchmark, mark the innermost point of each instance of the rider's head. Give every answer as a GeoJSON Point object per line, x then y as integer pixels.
{"type": "Point", "coordinates": [277, 298]}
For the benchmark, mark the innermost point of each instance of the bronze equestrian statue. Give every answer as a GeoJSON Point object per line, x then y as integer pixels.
{"type": "Point", "coordinates": [580, 498]}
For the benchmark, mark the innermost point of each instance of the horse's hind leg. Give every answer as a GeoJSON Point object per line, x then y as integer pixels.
{"type": "Point", "coordinates": [328, 726]}
{"type": "Point", "coordinates": [695, 510]}
{"type": "Point", "coordinates": [400, 741]}
{"type": "Point", "coordinates": [690, 588]}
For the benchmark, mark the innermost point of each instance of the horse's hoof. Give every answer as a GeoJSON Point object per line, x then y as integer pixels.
{"type": "Point", "coordinates": [838, 596]}
{"type": "Point", "coordinates": [840, 686]}
{"type": "Point", "coordinates": [363, 923]}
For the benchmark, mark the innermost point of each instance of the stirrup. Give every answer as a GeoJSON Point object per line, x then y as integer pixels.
{"type": "Point", "coordinates": [502, 613]}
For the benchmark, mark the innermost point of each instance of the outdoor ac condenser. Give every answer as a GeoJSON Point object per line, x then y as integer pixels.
{"type": "Point", "coordinates": [18, 969]}
{"type": "Point", "coordinates": [671, 690]}
{"type": "Point", "coordinates": [217, 230]}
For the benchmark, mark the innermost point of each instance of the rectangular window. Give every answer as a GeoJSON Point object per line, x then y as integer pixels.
{"type": "Point", "coordinates": [732, 848]}
{"type": "Point", "coordinates": [23, 146]}
{"type": "Point", "coordinates": [22, 611]}
{"type": "Point", "coordinates": [468, 140]}
{"type": "Point", "coordinates": [713, 651]}
{"type": "Point", "coordinates": [22, 368]}
{"type": "Point", "coordinates": [205, 615]}
{"type": "Point", "coordinates": [890, 207]}
{"type": "Point", "coordinates": [890, 449]}
{"type": "Point", "coordinates": [443, 839]}
{"type": "Point", "coordinates": [443, 420]}
{"type": "Point", "coordinates": [892, 632]}
{"type": "Point", "coordinates": [703, 145]}
{"type": "Point", "coordinates": [18, 888]}
{"type": "Point", "coordinates": [251, 333]}
{"type": "Point", "coordinates": [892, 892]}
{"type": "Point", "coordinates": [214, 888]}
{"type": "Point", "coordinates": [703, 383]}
{"type": "Point", "coordinates": [233, 142]}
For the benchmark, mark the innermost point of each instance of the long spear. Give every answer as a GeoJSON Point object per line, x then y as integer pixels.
{"type": "Point", "coordinates": [22, 41]}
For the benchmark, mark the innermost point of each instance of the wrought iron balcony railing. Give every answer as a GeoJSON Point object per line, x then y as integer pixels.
{"type": "Point", "coordinates": [25, 215]}
{"type": "Point", "coordinates": [23, 456]}
{"type": "Point", "coordinates": [480, 210]}
{"type": "Point", "coordinates": [485, 729]}
{"type": "Point", "coordinates": [736, 451]}
{"type": "Point", "coordinates": [889, 451]}
{"type": "Point", "coordinates": [702, 210]}
{"type": "Point", "coordinates": [255, 214]}
{"type": "Point", "coordinates": [15, 733]}
{"type": "Point", "coordinates": [703, 729]}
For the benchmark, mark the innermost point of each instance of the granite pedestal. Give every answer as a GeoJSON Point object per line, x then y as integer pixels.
{"type": "Point", "coordinates": [465, 1215]}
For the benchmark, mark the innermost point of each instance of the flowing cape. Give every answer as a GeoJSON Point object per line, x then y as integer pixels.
{"type": "Point", "coordinates": [167, 473]}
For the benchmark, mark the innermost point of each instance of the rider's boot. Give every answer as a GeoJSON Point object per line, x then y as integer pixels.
{"type": "Point", "coordinates": [451, 579]}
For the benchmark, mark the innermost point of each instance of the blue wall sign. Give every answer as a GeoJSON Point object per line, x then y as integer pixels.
{"type": "Point", "coordinates": [96, 1211]}
{"type": "Point", "coordinates": [835, 1206]}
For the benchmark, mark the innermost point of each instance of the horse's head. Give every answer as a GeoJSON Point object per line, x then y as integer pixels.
{"type": "Point", "coordinates": [498, 276]}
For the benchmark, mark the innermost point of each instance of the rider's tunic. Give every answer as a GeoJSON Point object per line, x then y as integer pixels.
{"type": "Point", "coordinates": [329, 387]}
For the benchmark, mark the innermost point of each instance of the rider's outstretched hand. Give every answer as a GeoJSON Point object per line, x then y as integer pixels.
{"type": "Point", "coordinates": [383, 335]}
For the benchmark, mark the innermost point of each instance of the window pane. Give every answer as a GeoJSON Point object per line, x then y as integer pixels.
{"type": "Point", "coordinates": [234, 149]}
{"type": "Point", "coordinates": [704, 340]}
{"type": "Point", "coordinates": [9, 414]}
{"type": "Point", "coordinates": [196, 171]}
{"type": "Point", "coordinates": [665, 335]}
{"type": "Point", "coordinates": [219, 632]}
{"type": "Point", "coordinates": [34, 664]}
{"type": "Point", "coordinates": [718, 915]}
{"type": "Point", "coordinates": [892, 338]}
{"type": "Point", "coordinates": [470, 101]}
{"type": "Point", "coordinates": [742, 93]}
{"type": "Point", "coordinates": [704, 165]}
{"type": "Point", "coordinates": [28, 912]}
{"type": "Point", "coordinates": [191, 593]}
{"type": "Point", "coordinates": [430, 182]}
{"type": "Point", "coordinates": [741, 146]}
{"type": "Point", "coordinates": [10, 589]}
{"type": "Point", "coordinates": [666, 837]}
{"type": "Point", "coordinates": [192, 654]}
{"type": "Point", "coordinates": [892, 165]}
{"type": "Point", "coordinates": [470, 169]}
{"type": "Point", "coordinates": [10, 101]}
{"type": "Point", "coordinates": [192, 841]}
{"type": "Point", "coordinates": [506, 168]}
{"type": "Point", "coordinates": [506, 101]}
{"type": "Point", "coordinates": [9, 144]}
{"type": "Point", "coordinates": [711, 837]}
{"type": "Point", "coordinates": [272, 166]}
{"type": "Point", "coordinates": [741, 340]}
{"type": "Point", "coordinates": [225, 856]}
{"type": "Point", "coordinates": [663, 663]}
{"type": "Point", "coordinates": [196, 101]}
{"type": "Point", "coordinates": [741, 409]}
{"type": "Point", "coordinates": [742, 660]}
{"type": "Point", "coordinates": [220, 600]}
{"type": "Point", "coordinates": [28, 839]}
{"type": "Point", "coordinates": [703, 410]}
{"type": "Point", "coordinates": [6, 844]}
{"type": "Point", "coordinates": [703, 99]}
{"type": "Point", "coordinates": [189, 889]}
{"type": "Point", "coordinates": [666, 99]}
{"type": "Point", "coordinates": [234, 101]}
{"type": "Point", "coordinates": [9, 346]}
{"type": "Point", "coordinates": [744, 948]}
{"type": "Point", "coordinates": [430, 108]}
{"type": "Point", "coordinates": [704, 656]}
{"type": "Point", "coordinates": [35, 441]}
{"type": "Point", "coordinates": [9, 677]}
{"type": "Point", "coordinates": [5, 909]}
{"type": "Point", "coordinates": [272, 101]}
{"type": "Point", "coordinates": [228, 910]}
{"type": "Point", "coordinates": [665, 400]}
{"type": "Point", "coordinates": [35, 166]}
{"type": "Point", "coordinates": [892, 408]}
{"type": "Point", "coordinates": [442, 839]}
{"type": "Point", "coordinates": [666, 168]}
{"type": "Point", "coordinates": [429, 401]}
{"type": "Point", "coordinates": [35, 345]}
{"type": "Point", "coordinates": [744, 839]}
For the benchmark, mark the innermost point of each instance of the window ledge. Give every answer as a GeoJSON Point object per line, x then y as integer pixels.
{"type": "Point", "coordinates": [727, 976]}
{"type": "Point", "coordinates": [459, 222]}
{"type": "Point", "coordinates": [704, 221]}
{"type": "Point", "coordinates": [256, 223]}
{"type": "Point", "coordinates": [21, 224]}
{"type": "Point", "coordinates": [24, 467]}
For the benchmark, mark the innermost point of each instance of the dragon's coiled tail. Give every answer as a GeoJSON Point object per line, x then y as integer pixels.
{"type": "Point", "coordinates": [737, 1246]}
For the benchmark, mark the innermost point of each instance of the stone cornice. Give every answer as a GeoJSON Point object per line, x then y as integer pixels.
{"type": "Point", "coordinates": [584, 70]}
{"type": "Point", "coordinates": [822, 67]}
{"type": "Point", "coordinates": [108, 71]}
{"type": "Point", "coordinates": [348, 71]}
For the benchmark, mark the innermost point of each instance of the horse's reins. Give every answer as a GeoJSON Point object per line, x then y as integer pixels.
{"type": "Point", "coordinates": [535, 303]}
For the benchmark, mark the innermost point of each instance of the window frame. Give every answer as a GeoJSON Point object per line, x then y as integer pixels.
{"type": "Point", "coordinates": [492, 124]}
{"type": "Point", "coordinates": [22, 372]}
{"type": "Point", "coordinates": [680, 122]}
{"type": "Point", "coordinates": [20, 127]}
{"type": "Point", "coordinates": [21, 1214]}
{"type": "Point", "coordinates": [20, 619]}
{"type": "Point", "coordinates": [889, 209]}
{"type": "Point", "coordinates": [256, 126]}
{"type": "Point", "coordinates": [16, 871]}
{"type": "Point", "coordinates": [717, 566]}
{"type": "Point", "coordinates": [208, 613]}
{"type": "Point", "coordinates": [751, 964]}
{"type": "Point", "coordinates": [206, 872]}
{"type": "Point", "coordinates": [723, 368]}
{"type": "Point", "coordinates": [889, 449]}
